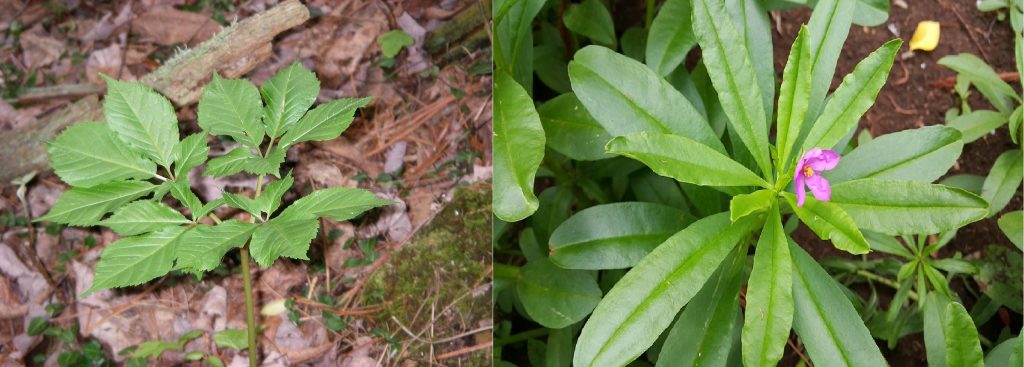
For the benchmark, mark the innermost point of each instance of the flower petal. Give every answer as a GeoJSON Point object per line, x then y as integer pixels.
{"type": "Point", "coordinates": [819, 187]}
{"type": "Point", "coordinates": [824, 161]}
{"type": "Point", "coordinates": [801, 192]}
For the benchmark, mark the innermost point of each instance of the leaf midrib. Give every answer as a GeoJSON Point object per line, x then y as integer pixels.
{"type": "Point", "coordinates": [819, 312]}
{"type": "Point", "coordinates": [104, 159]}
{"type": "Point", "coordinates": [141, 191]}
{"type": "Point", "coordinates": [898, 164]}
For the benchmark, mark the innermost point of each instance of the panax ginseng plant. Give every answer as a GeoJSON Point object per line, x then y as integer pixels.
{"type": "Point", "coordinates": [883, 187]}
{"type": "Point", "coordinates": [129, 164]}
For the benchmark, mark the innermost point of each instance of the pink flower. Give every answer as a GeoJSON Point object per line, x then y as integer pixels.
{"type": "Point", "coordinates": [808, 171]}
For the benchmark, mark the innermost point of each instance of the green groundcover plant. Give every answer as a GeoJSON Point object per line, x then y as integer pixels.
{"type": "Point", "coordinates": [678, 176]}
{"type": "Point", "coordinates": [129, 164]}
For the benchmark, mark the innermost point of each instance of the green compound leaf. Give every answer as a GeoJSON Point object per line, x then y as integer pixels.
{"type": "Point", "coordinates": [89, 153]}
{"type": "Point", "coordinates": [287, 96]}
{"type": "Point", "coordinates": [641, 304]}
{"type": "Point", "coordinates": [189, 153]}
{"type": "Point", "coordinates": [242, 159]}
{"type": "Point", "coordinates": [325, 122]}
{"type": "Point", "coordinates": [142, 118]}
{"type": "Point", "coordinates": [84, 206]}
{"type": "Point", "coordinates": [571, 130]}
{"type": "Point", "coordinates": [591, 19]}
{"type": "Point", "coordinates": [826, 322]}
{"type": "Point", "coordinates": [769, 312]}
{"type": "Point", "coordinates": [236, 339]}
{"type": "Point", "coordinates": [613, 236]}
{"type": "Point", "coordinates": [136, 260]}
{"type": "Point", "coordinates": [793, 96]}
{"type": "Point", "coordinates": [671, 37]}
{"type": "Point", "coordinates": [907, 207]}
{"type": "Point", "coordinates": [143, 216]}
{"type": "Point", "coordinates": [626, 97]}
{"type": "Point", "coordinates": [684, 160]}
{"type": "Point", "coordinates": [831, 222]}
{"type": "Point", "coordinates": [202, 248]}
{"type": "Point", "coordinates": [287, 236]}
{"type": "Point", "coordinates": [391, 43]}
{"type": "Point", "coordinates": [337, 203]}
{"type": "Point", "coordinates": [853, 97]}
{"type": "Point", "coordinates": [1003, 181]}
{"type": "Point", "coordinates": [922, 155]}
{"type": "Point", "coordinates": [518, 150]}
{"type": "Point", "coordinates": [962, 346]}
{"type": "Point", "coordinates": [232, 107]}
{"type": "Point", "coordinates": [732, 73]}
{"type": "Point", "coordinates": [556, 297]}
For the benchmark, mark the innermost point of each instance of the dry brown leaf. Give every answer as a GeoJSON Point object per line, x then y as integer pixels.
{"type": "Point", "coordinates": [106, 26]}
{"type": "Point", "coordinates": [169, 26]}
{"type": "Point", "coordinates": [39, 49]}
{"type": "Point", "coordinates": [107, 61]}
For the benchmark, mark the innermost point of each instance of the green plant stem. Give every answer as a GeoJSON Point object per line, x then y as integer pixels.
{"type": "Point", "coordinates": [515, 338]}
{"type": "Point", "coordinates": [250, 312]}
{"type": "Point", "coordinates": [650, 14]}
{"type": "Point", "coordinates": [885, 281]}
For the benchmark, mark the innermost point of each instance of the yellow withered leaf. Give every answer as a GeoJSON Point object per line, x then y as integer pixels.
{"type": "Point", "coordinates": [926, 37]}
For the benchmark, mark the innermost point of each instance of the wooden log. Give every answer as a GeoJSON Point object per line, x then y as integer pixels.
{"type": "Point", "coordinates": [467, 29]}
{"type": "Point", "coordinates": [233, 51]}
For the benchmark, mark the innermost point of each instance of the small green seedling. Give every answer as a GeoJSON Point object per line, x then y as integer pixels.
{"type": "Point", "coordinates": [129, 164]}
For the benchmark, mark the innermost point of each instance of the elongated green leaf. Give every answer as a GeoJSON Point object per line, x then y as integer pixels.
{"type": "Point", "coordinates": [831, 222]}
{"type": "Point", "coordinates": [287, 96]}
{"type": "Point", "coordinates": [625, 97]}
{"type": "Point", "coordinates": [513, 39]}
{"type": "Point", "coordinates": [853, 97]}
{"type": "Point", "coordinates": [287, 236]}
{"type": "Point", "coordinates": [189, 153]}
{"type": "Point", "coordinates": [143, 216]}
{"type": "Point", "coordinates": [84, 206]}
{"type": "Point", "coordinates": [907, 207]}
{"type": "Point", "coordinates": [923, 155]}
{"type": "Point", "coordinates": [755, 29]}
{"type": "Point", "coordinates": [1012, 225]}
{"type": "Point", "coordinates": [325, 122]}
{"type": "Point", "coordinates": [556, 297]}
{"type": "Point", "coordinates": [732, 72]}
{"type": "Point", "coordinates": [136, 260]}
{"type": "Point", "coordinates": [671, 37]}
{"type": "Point", "coordinates": [88, 154]}
{"type": "Point", "coordinates": [337, 203]}
{"type": "Point", "coordinates": [828, 27]}
{"type": "Point", "coordinates": [975, 124]}
{"type": "Point", "coordinates": [769, 312]}
{"type": "Point", "coordinates": [870, 13]}
{"type": "Point", "coordinates": [142, 118]}
{"type": "Point", "coordinates": [793, 96]}
{"type": "Point", "coordinates": [703, 334]}
{"type": "Point", "coordinates": [826, 322]}
{"type": "Point", "coordinates": [962, 346]}
{"type": "Point", "coordinates": [1003, 180]}
{"type": "Point", "coordinates": [746, 204]}
{"type": "Point", "coordinates": [270, 199]}
{"type": "Point", "coordinates": [591, 19]}
{"type": "Point", "coordinates": [571, 130]}
{"type": "Point", "coordinates": [640, 306]}
{"type": "Point", "coordinates": [518, 150]}
{"type": "Point", "coordinates": [684, 160]}
{"type": "Point", "coordinates": [560, 346]}
{"type": "Point", "coordinates": [971, 183]}
{"type": "Point", "coordinates": [555, 206]}
{"type": "Point", "coordinates": [934, 314]}
{"type": "Point", "coordinates": [1001, 355]}
{"type": "Point", "coordinates": [551, 66]}
{"type": "Point", "coordinates": [649, 187]}
{"type": "Point", "coordinates": [983, 77]}
{"type": "Point", "coordinates": [202, 248]}
{"type": "Point", "coordinates": [243, 159]}
{"type": "Point", "coordinates": [886, 244]}
{"type": "Point", "coordinates": [232, 338]}
{"type": "Point", "coordinates": [242, 202]}
{"type": "Point", "coordinates": [232, 107]}
{"type": "Point", "coordinates": [613, 236]}
{"type": "Point", "coordinates": [181, 190]}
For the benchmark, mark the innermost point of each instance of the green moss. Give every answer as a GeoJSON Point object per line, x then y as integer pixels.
{"type": "Point", "coordinates": [442, 266]}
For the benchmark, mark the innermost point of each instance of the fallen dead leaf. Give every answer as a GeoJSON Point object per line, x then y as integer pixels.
{"type": "Point", "coordinates": [107, 61]}
{"type": "Point", "coordinates": [106, 26]}
{"type": "Point", "coordinates": [169, 26]}
{"type": "Point", "coordinates": [38, 48]}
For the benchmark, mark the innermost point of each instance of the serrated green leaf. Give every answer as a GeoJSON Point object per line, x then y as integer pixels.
{"type": "Point", "coordinates": [769, 312]}
{"type": "Point", "coordinates": [84, 206]}
{"type": "Point", "coordinates": [270, 199]}
{"type": "Point", "coordinates": [242, 159]}
{"type": "Point", "coordinates": [671, 37]}
{"type": "Point", "coordinates": [189, 153]}
{"type": "Point", "coordinates": [975, 124]}
{"type": "Point", "coordinates": [1012, 225]}
{"type": "Point", "coordinates": [1003, 181]}
{"type": "Point", "coordinates": [392, 42]}
{"type": "Point", "coordinates": [143, 216]}
{"type": "Point", "coordinates": [518, 150]}
{"type": "Point", "coordinates": [907, 207]}
{"type": "Point", "coordinates": [287, 236]}
{"type": "Point", "coordinates": [591, 19]}
{"type": "Point", "coordinates": [641, 304]}
{"type": "Point", "coordinates": [232, 338]}
{"type": "Point", "coordinates": [830, 222]}
{"type": "Point", "coordinates": [325, 122]}
{"type": "Point", "coordinates": [983, 77]}
{"type": "Point", "coordinates": [922, 155]}
{"type": "Point", "coordinates": [136, 260]}
{"type": "Point", "coordinates": [555, 297]}
{"type": "Point", "coordinates": [287, 96]}
{"type": "Point", "coordinates": [202, 248]}
{"type": "Point", "coordinates": [732, 73]}
{"type": "Point", "coordinates": [89, 153]}
{"type": "Point", "coordinates": [962, 346]}
{"type": "Point", "coordinates": [825, 320]}
{"type": "Point", "coordinates": [231, 107]}
{"type": "Point", "coordinates": [242, 202]}
{"type": "Point", "coordinates": [570, 129]}
{"type": "Point", "coordinates": [613, 236]}
{"type": "Point", "coordinates": [746, 204]}
{"type": "Point", "coordinates": [181, 190]}
{"type": "Point", "coordinates": [626, 97]}
{"type": "Point", "coordinates": [337, 203]}
{"type": "Point", "coordinates": [684, 160]}
{"type": "Point", "coordinates": [852, 98]}
{"type": "Point", "coordinates": [142, 118]}
{"type": "Point", "coordinates": [793, 96]}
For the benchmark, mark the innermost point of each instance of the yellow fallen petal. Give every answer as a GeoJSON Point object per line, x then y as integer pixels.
{"type": "Point", "coordinates": [926, 37]}
{"type": "Point", "coordinates": [275, 307]}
